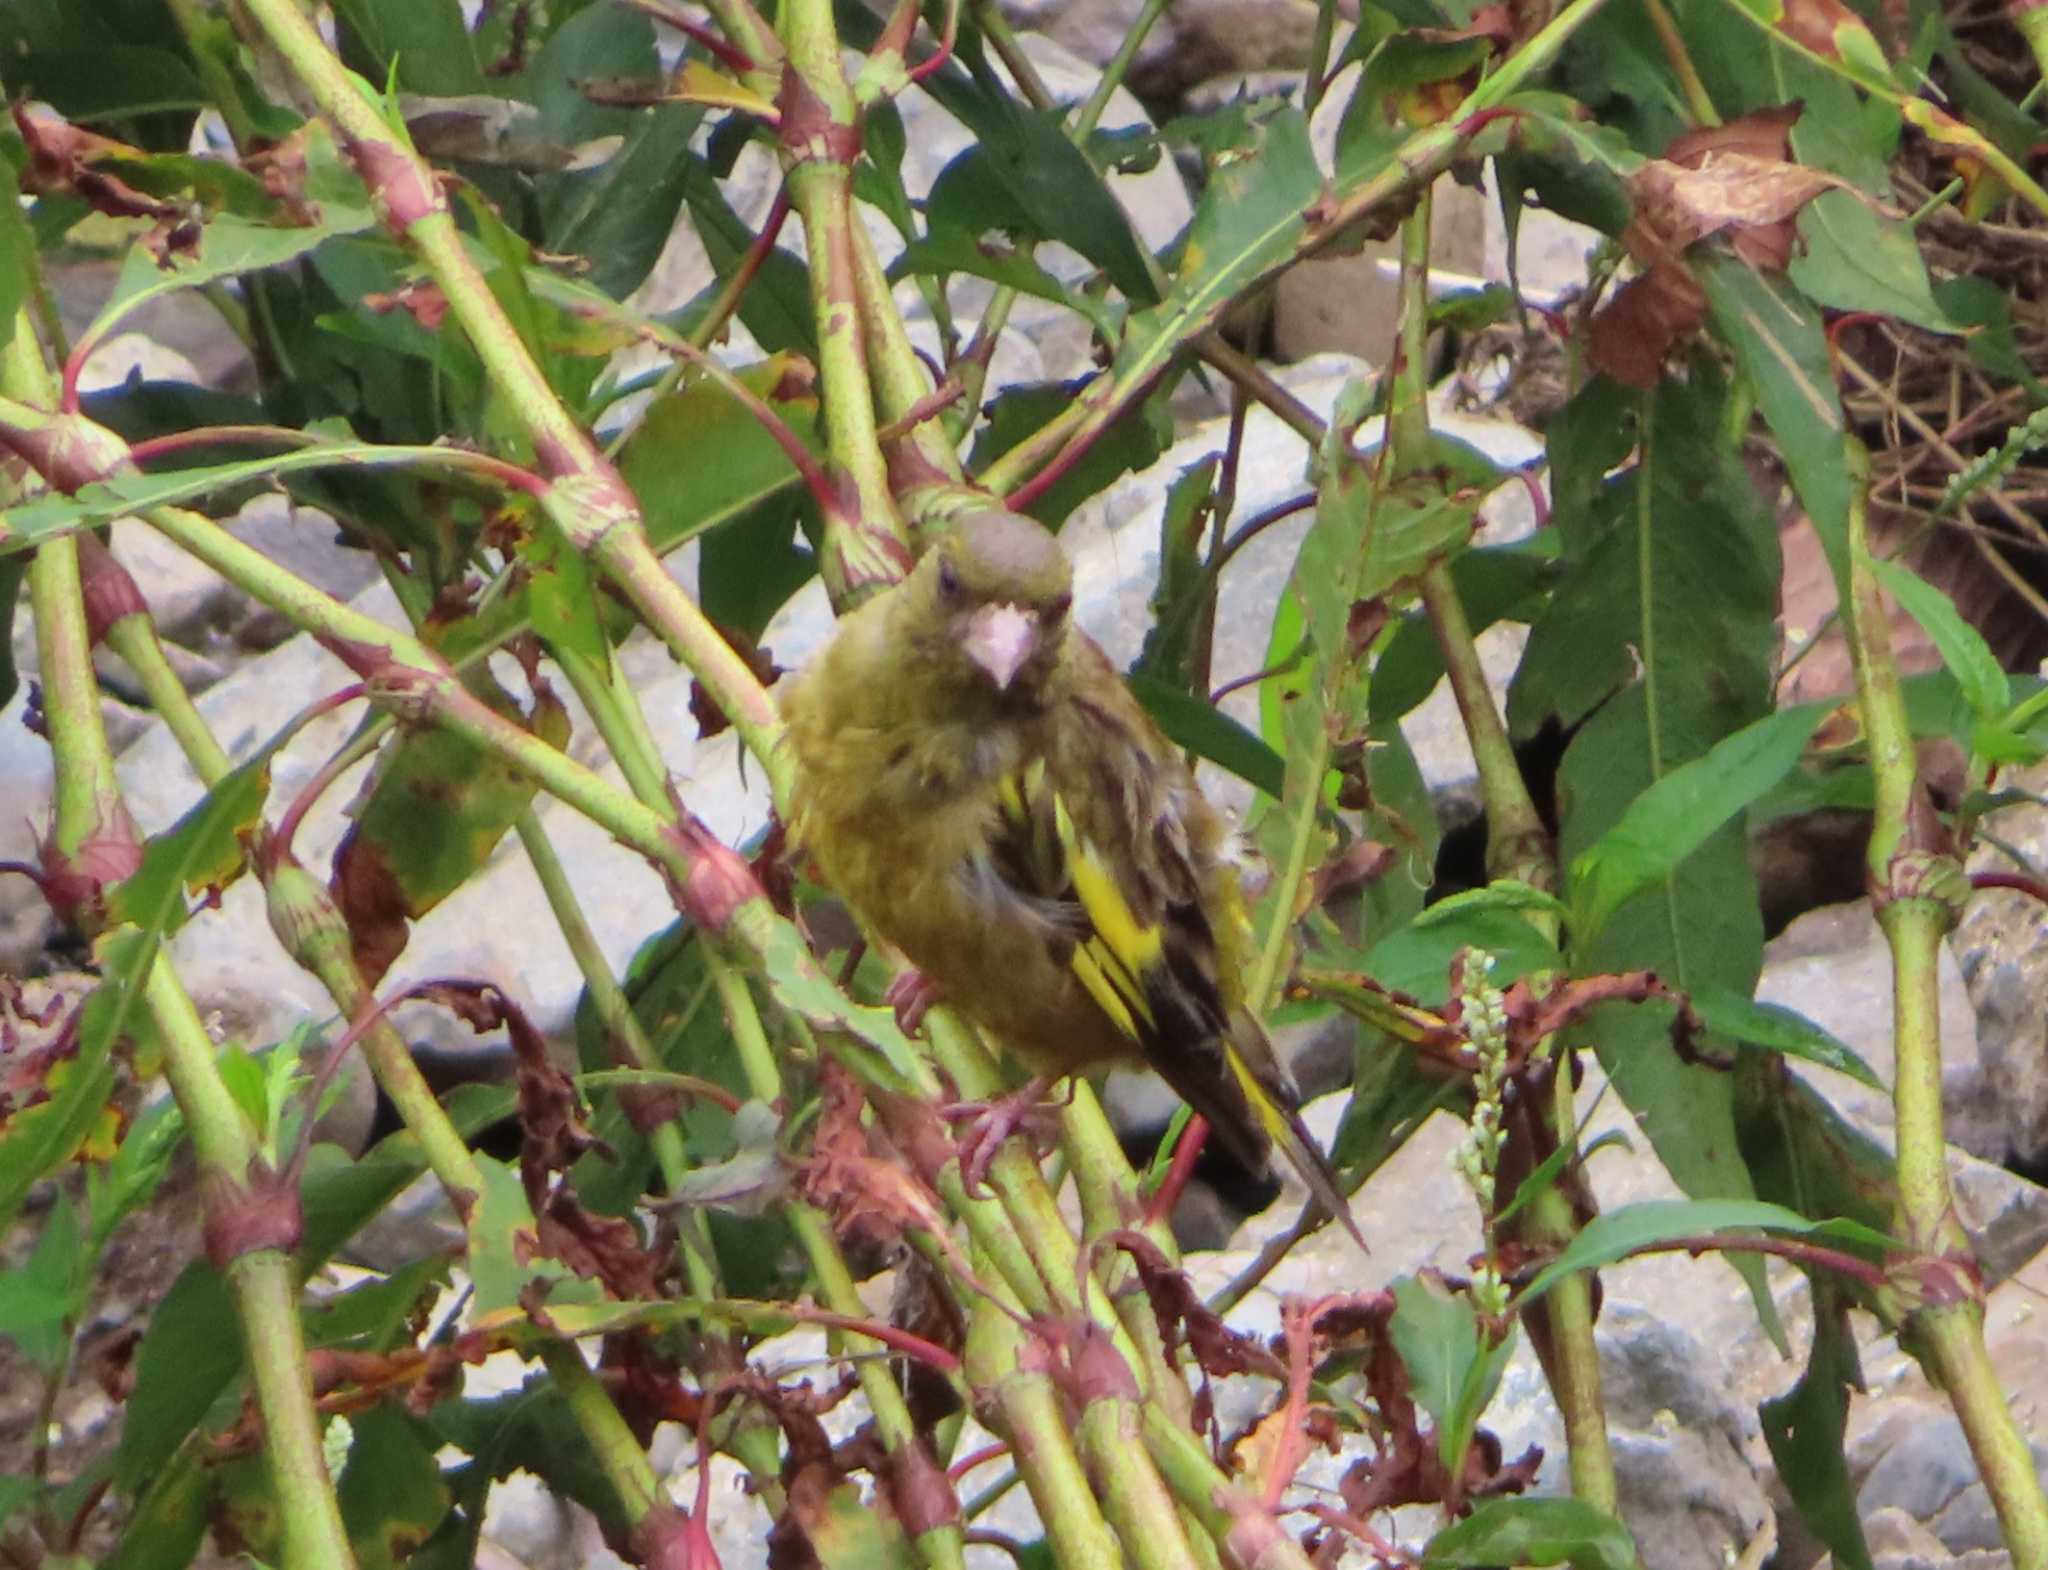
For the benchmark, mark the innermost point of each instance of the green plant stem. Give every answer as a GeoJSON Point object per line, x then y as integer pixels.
{"type": "Point", "coordinates": [865, 551]}
{"type": "Point", "coordinates": [612, 1445]}
{"type": "Point", "coordinates": [900, 382]}
{"type": "Point", "coordinates": [1906, 864]}
{"type": "Point", "coordinates": [1672, 40]}
{"type": "Point", "coordinates": [1027, 1411]}
{"type": "Point", "coordinates": [1089, 115]}
{"type": "Point", "coordinates": [1138, 1504]}
{"type": "Point", "coordinates": [1229, 1513]}
{"type": "Point", "coordinates": [940, 1547]}
{"type": "Point", "coordinates": [1318, 70]}
{"type": "Point", "coordinates": [585, 496]}
{"type": "Point", "coordinates": [1518, 846]}
{"type": "Point", "coordinates": [262, 1282]}
{"type": "Point", "coordinates": [996, 29]}
{"type": "Point", "coordinates": [621, 1025]}
{"type": "Point", "coordinates": [134, 638]}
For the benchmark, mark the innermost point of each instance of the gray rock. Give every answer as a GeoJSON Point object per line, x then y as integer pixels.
{"type": "Point", "coordinates": [1833, 966]}
{"type": "Point", "coordinates": [25, 921]}
{"type": "Point", "coordinates": [2004, 960]}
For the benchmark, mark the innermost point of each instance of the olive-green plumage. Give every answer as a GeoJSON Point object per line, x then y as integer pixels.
{"type": "Point", "coordinates": [978, 783]}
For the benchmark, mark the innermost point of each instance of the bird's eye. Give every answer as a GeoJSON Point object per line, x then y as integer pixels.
{"type": "Point", "coordinates": [949, 579]}
{"type": "Point", "coordinates": [1059, 607]}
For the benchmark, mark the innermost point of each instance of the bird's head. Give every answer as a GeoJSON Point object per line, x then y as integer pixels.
{"type": "Point", "coordinates": [1001, 587]}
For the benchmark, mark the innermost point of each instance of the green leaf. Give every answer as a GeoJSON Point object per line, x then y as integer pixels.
{"type": "Point", "coordinates": [228, 245]}
{"type": "Point", "coordinates": [1981, 310]}
{"type": "Point", "coordinates": [1177, 648]}
{"type": "Point", "coordinates": [1376, 120]}
{"type": "Point", "coordinates": [39, 1300]}
{"type": "Point", "coordinates": [1437, 1335]}
{"type": "Point", "coordinates": [1855, 260]}
{"type": "Point", "coordinates": [1677, 814]}
{"type": "Point", "coordinates": [1781, 346]}
{"type": "Point", "coordinates": [681, 496]}
{"type": "Point", "coordinates": [1132, 441]}
{"type": "Point", "coordinates": [1962, 647]}
{"type": "Point", "coordinates": [1452, 1374]}
{"type": "Point", "coordinates": [199, 854]}
{"type": "Point", "coordinates": [847, 1533]}
{"type": "Point", "coordinates": [1047, 176]}
{"type": "Point", "coordinates": [1780, 1030]}
{"type": "Point", "coordinates": [1804, 1428]}
{"type": "Point", "coordinates": [951, 250]}
{"type": "Point", "coordinates": [1547, 1531]}
{"type": "Point", "coordinates": [504, 1248]}
{"type": "Point", "coordinates": [391, 1493]}
{"type": "Point", "coordinates": [426, 46]}
{"type": "Point", "coordinates": [1634, 1228]}
{"type": "Point", "coordinates": [1664, 634]}
{"type": "Point", "coordinates": [435, 808]}
{"type": "Point", "coordinates": [1249, 221]}
{"type": "Point", "coordinates": [377, 1314]}
{"type": "Point", "coordinates": [183, 1372]}
{"type": "Point", "coordinates": [1207, 732]}
{"type": "Point", "coordinates": [534, 1428]}
{"type": "Point", "coordinates": [1416, 958]}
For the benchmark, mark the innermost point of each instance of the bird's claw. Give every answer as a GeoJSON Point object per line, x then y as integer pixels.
{"type": "Point", "coordinates": [989, 1123]}
{"type": "Point", "coordinates": [911, 993]}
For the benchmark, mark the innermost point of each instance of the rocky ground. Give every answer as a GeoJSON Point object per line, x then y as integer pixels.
{"type": "Point", "coordinates": [1685, 1360]}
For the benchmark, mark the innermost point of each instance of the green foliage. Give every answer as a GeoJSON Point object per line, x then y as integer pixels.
{"type": "Point", "coordinates": [757, 1125]}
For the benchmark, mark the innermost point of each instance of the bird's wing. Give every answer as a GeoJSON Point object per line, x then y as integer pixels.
{"type": "Point", "coordinates": [1120, 880]}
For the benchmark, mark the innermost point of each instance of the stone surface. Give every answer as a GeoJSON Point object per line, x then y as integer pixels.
{"type": "Point", "coordinates": [2000, 942]}
{"type": "Point", "coordinates": [1833, 966]}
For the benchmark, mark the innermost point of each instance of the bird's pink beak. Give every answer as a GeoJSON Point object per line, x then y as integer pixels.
{"type": "Point", "coordinates": [1000, 638]}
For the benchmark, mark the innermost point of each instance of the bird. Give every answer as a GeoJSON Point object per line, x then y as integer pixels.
{"type": "Point", "coordinates": [980, 786]}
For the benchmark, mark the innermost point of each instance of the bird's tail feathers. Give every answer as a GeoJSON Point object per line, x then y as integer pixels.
{"type": "Point", "coordinates": [1284, 1127]}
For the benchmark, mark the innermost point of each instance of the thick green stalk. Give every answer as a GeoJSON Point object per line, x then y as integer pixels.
{"type": "Point", "coordinates": [868, 549]}
{"type": "Point", "coordinates": [612, 1445]}
{"type": "Point", "coordinates": [134, 638]}
{"type": "Point", "coordinates": [263, 1283]}
{"type": "Point", "coordinates": [900, 382]}
{"type": "Point", "coordinates": [1138, 1504]}
{"type": "Point", "coordinates": [260, 1279]}
{"type": "Point", "coordinates": [1230, 1513]}
{"type": "Point", "coordinates": [1919, 878]}
{"type": "Point", "coordinates": [1026, 1410]}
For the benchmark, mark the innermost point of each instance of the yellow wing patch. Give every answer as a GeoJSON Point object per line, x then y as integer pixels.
{"type": "Point", "coordinates": [1124, 949]}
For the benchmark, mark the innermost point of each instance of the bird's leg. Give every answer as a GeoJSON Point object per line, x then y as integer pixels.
{"type": "Point", "coordinates": [989, 1123]}
{"type": "Point", "coordinates": [911, 994]}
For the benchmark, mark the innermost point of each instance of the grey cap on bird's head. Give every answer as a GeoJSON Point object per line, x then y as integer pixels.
{"type": "Point", "coordinates": [1012, 584]}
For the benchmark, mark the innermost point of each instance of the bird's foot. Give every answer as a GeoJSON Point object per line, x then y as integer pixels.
{"type": "Point", "coordinates": [911, 994]}
{"type": "Point", "coordinates": [989, 1123]}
